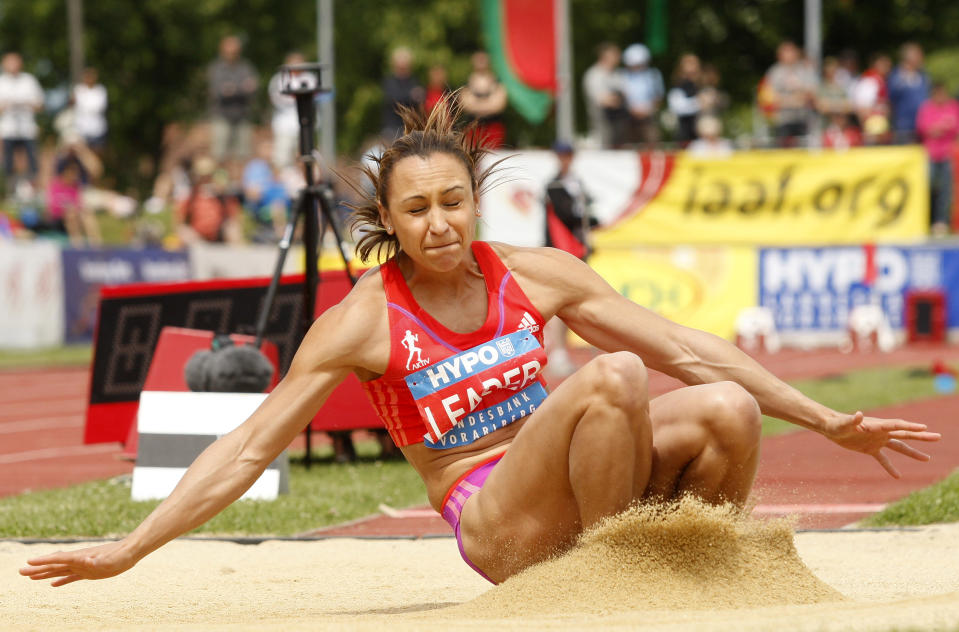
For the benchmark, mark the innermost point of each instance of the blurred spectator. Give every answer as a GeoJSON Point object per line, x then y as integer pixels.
{"type": "Point", "coordinates": [76, 166]}
{"type": "Point", "coordinates": [232, 87]}
{"type": "Point", "coordinates": [908, 86]}
{"type": "Point", "coordinates": [792, 88]}
{"type": "Point", "coordinates": [90, 110]}
{"type": "Point", "coordinates": [712, 100]}
{"type": "Point", "coordinates": [937, 124]}
{"type": "Point", "coordinates": [20, 98]}
{"type": "Point", "coordinates": [831, 98]}
{"type": "Point", "coordinates": [710, 143]}
{"type": "Point", "coordinates": [265, 197]}
{"type": "Point", "coordinates": [870, 100]}
{"type": "Point", "coordinates": [848, 69]}
{"type": "Point", "coordinates": [840, 133]}
{"type": "Point", "coordinates": [437, 86]}
{"type": "Point", "coordinates": [484, 100]}
{"type": "Point", "coordinates": [569, 203]}
{"type": "Point", "coordinates": [683, 97]}
{"type": "Point", "coordinates": [643, 88]}
{"type": "Point", "coordinates": [208, 213]}
{"type": "Point", "coordinates": [400, 87]}
{"type": "Point", "coordinates": [286, 122]}
{"type": "Point", "coordinates": [603, 89]}
{"type": "Point", "coordinates": [568, 222]}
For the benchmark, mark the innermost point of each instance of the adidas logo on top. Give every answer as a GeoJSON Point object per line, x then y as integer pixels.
{"type": "Point", "coordinates": [528, 323]}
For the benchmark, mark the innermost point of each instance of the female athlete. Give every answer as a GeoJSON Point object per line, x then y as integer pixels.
{"type": "Point", "coordinates": [447, 338]}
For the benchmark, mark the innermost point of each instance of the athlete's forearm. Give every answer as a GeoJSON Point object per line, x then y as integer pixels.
{"type": "Point", "coordinates": [232, 464]}
{"type": "Point", "coordinates": [218, 477]}
{"type": "Point", "coordinates": [715, 359]}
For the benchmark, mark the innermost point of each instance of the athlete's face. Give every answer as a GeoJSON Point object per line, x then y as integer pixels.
{"type": "Point", "coordinates": [431, 208]}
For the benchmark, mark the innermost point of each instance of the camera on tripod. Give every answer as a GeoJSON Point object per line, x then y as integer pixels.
{"type": "Point", "coordinates": [297, 79]}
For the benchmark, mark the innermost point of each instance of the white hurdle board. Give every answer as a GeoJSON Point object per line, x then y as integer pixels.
{"type": "Point", "coordinates": [175, 427]}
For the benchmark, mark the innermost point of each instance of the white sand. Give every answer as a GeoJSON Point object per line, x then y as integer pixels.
{"type": "Point", "coordinates": [907, 579]}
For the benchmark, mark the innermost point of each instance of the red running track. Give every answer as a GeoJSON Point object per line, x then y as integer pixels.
{"type": "Point", "coordinates": [41, 432]}
{"type": "Point", "coordinates": [41, 446]}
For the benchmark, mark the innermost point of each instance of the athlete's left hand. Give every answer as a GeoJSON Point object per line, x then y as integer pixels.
{"type": "Point", "coordinates": [870, 435]}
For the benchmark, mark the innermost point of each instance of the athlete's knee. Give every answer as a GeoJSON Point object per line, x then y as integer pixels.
{"type": "Point", "coordinates": [734, 420]}
{"type": "Point", "coordinates": [621, 379]}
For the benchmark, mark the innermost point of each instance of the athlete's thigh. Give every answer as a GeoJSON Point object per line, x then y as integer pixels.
{"type": "Point", "coordinates": [528, 494]}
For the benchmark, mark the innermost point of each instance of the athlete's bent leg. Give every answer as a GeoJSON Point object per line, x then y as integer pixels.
{"type": "Point", "coordinates": [705, 442]}
{"type": "Point", "coordinates": [583, 455]}
{"type": "Point", "coordinates": [611, 445]}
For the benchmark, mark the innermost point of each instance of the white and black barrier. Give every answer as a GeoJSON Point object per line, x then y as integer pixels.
{"type": "Point", "coordinates": [175, 427]}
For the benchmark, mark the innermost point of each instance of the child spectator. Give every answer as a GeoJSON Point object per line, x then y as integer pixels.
{"type": "Point", "coordinates": [66, 213]}
{"type": "Point", "coordinates": [840, 133]}
{"type": "Point", "coordinates": [265, 197]}
{"type": "Point", "coordinates": [710, 143]}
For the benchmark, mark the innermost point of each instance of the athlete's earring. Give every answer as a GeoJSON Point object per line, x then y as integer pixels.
{"type": "Point", "coordinates": [389, 230]}
{"type": "Point", "coordinates": [478, 213]}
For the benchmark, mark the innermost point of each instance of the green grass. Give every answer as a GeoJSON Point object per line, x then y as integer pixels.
{"type": "Point", "coordinates": [860, 390]}
{"type": "Point", "coordinates": [69, 356]}
{"type": "Point", "coordinates": [938, 503]}
{"type": "Point", "coordinates": [324, 495]}
{"type": "Point", "coordinates": [330, 494]}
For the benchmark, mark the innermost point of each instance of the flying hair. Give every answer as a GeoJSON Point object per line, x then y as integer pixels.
{"type": "Point", "coordinates": [439, 131]}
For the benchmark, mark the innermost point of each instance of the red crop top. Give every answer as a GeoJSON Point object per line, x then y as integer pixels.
{"type": "Point", "coordinates": [449, 389]}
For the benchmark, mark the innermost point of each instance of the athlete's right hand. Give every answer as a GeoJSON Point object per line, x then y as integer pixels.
{"type": "Point", "coordinates": [97, 562]}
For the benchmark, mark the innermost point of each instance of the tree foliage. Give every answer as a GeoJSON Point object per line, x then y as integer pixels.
{"type": "Point", "coordinates": [152, 55]}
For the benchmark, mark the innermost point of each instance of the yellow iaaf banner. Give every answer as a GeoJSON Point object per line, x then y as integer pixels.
{"type": "Point", "coordinates": [874, 194]}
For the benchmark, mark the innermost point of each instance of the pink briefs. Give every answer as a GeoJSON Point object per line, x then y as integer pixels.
{"type": "Point", "coordinates": [456, 497]}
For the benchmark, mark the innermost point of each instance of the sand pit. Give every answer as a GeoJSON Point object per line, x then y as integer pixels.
{"type": "Point", "coordinates": [689, 556]}
{"type": "Point", "coordinates": [689, 570]}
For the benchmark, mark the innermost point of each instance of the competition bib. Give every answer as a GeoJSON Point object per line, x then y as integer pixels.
{"type": "Point", "coordinates": [475, 392]}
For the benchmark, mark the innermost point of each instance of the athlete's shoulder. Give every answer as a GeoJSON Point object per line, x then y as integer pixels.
{"type": "Point", "coordinates": [535, 261]}
{"type": "Point", "coordinates": [366, 298]}
{"type": "Point", "coordinates": [349, 332]}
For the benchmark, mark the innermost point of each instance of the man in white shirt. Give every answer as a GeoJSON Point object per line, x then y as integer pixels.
{"type": "Point", "coordinates": [20, 98]}
{"type": "Point", "coordinates": [90, 109]}
{"type": "Point", "coordinates": [603, 88]}
{"type": "Point", "coordinates": [286, 122]}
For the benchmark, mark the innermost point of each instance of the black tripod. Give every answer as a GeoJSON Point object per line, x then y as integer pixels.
{"type": "Point", "coordinates": [302, 81]}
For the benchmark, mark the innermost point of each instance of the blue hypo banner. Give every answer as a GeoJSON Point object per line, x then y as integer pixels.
{"type": "Point", "coordinates": [815, 288]}
{"type": "Point", "coordinates": [85, 271]}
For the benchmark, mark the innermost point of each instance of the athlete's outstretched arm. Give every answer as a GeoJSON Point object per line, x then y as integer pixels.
{"type": "Point", "coordinates": [226, 469]}
{"type": "Point", "coordinates": [606, 319]}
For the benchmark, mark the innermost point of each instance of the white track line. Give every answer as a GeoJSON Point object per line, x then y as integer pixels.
{"type": "Point", "coordinates": [23, 396]}
{"type": "Point", "coordinates": [760, 509]}
{"type": "Point", "coordinates": [407, 513]}
{"type": "Point", "coordinates": [820, 509]}
{"type": "Point", "coordinates": [57, 453]}
{"type": "Point", "coordinates": [43, 423]}
{"type": "Point", "coordinates": [20, 412]}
